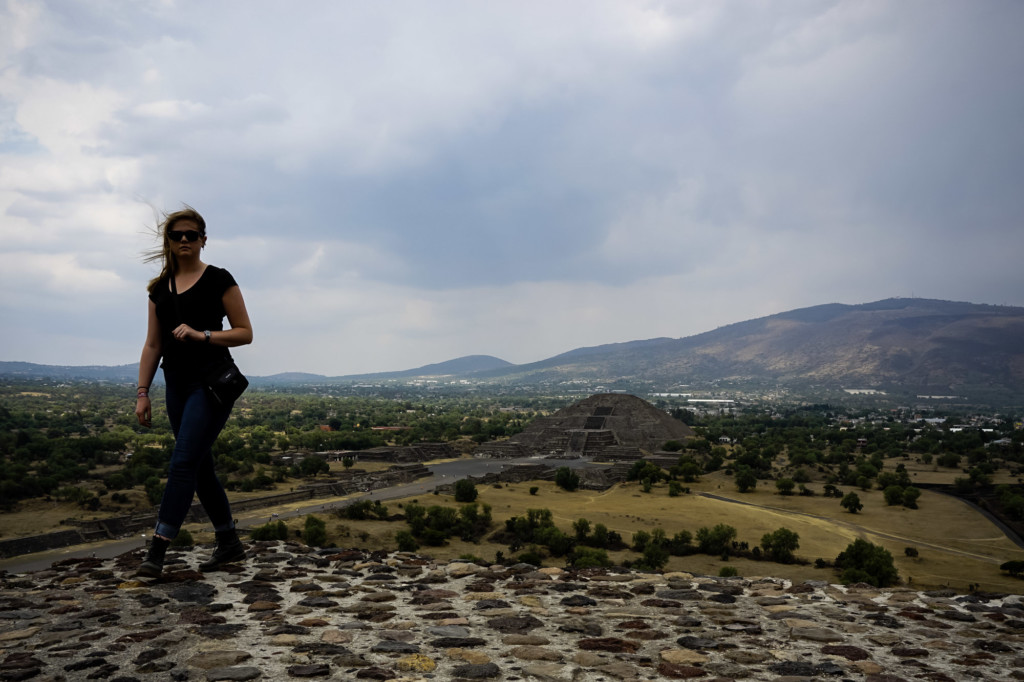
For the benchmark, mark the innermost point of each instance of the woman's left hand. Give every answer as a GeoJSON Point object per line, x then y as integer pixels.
{"type": "Point", "coordinates": [183, 332]}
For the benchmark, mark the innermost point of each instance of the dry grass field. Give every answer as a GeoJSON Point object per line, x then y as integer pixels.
{"type": "Point", "coordinates": [957, 546]}
{"type": "Point", "coordinates": [37, 516]}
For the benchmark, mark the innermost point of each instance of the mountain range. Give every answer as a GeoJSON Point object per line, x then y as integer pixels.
{"type": "Point", "coordinates": [900, 345]}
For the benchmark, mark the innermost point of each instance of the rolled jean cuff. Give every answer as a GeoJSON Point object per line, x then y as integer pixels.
{"type": "Point", "coordinates": [164, 530]}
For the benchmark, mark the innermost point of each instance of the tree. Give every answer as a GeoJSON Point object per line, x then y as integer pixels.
{"type": "Point", "coordinates": [588, 557]}
{"type": "Point", "coordinates": [601, 536]}
{"type": "Point", "coordinates": [581, 527]}
{"type": "Point", "coordinates": [641, 539]}
{"type": "Point", "coordinates": [745, 479]}
{"type": "Point", "coordinates": [785, 486]}
{"type": "Point", "coordinates": [311, 466]}
{"type": "Point", "coordinates": [863, 561]}
{"type": "Point", "coordinates": [780, 544]}
{"type": "Point", "coordinates": [465, 490]}
{"type": "Point", "coordinates": [851, 503]}
{"type": "Point", "coordinates": [716, 540]}
{"type": "Point", "coordinates": [910, 496]}
{"type": "Point", "coordinates": [406, 541]}
{"type": "Point", "coordinates": [642, 469]}
{"type": "Point", "coordinates": [893, 495]}
{"type": "Point", "coordinates": [314, 533]}
{"type": "Point", "coordinates": [270, 531]}
{"type": "Point", "coordinates": [567, 479]}
{"type": "Point", "coordinates": [347, 462]}
{"type": "Point", "coordinates": [690, 472]}
{"type": "Point", "coordinates": [655, 557]}
{"type": "Point", "coordinates": [1014, 568]}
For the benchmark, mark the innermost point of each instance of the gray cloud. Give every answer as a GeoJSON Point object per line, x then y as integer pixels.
{"type": "Point", "coordinates": [464, 178]}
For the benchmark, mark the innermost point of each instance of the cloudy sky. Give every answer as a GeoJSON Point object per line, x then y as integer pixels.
{"type": "Point", "coordinates": [400, 183]}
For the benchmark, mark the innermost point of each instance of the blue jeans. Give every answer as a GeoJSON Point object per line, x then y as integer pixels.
{"type": "Point", "coordinates": [196, 420]}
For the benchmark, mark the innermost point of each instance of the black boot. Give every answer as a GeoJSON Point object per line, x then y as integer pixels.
{"type": "Point", "coordinates": [153, 565]}
{"type": "Point", "coordinates": [229, 549]}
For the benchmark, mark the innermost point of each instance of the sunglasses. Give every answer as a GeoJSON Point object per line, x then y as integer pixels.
{"type": "Point", "coordinates": [186, 235]}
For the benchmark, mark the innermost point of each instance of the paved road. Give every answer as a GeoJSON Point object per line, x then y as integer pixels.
{"type": "Point", "coordinates": [443, 473]}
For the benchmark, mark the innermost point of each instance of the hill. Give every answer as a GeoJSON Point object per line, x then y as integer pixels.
{"type": "Point", "coordinates": [905, 346]}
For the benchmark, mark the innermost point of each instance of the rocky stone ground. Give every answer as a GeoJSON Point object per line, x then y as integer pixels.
{"type": "Point", "coordinates": [290, 612]}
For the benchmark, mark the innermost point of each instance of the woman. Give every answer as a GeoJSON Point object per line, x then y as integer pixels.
{"type": "Point", "coordinates": [189, 341]}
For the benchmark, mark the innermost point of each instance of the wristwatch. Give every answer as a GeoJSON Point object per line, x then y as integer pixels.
{"type": "Point", "coordinates": [207, 334]}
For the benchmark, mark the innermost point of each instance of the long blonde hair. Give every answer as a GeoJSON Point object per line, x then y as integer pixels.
{"type": "Point", "coordinates": [163, 254]}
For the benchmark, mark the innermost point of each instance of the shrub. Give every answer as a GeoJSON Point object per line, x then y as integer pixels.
{"type": "Point", "coordinates": [581, 528]}
{"type": "Point", "coordinates": [780, 545]}
{"type": "Point", "coordinates": [270, 531]}
{"type": "Point", "coordinates": [465, 491]}
{"type": "Point", "coordinates": [534, 489]}
{"type": "Point", "coordinates": [863, 561]}
{"type": "Point", "coordinates": [362, 510]}
{"type": "Point", "coordinates": [745, 479]}
{"type": "Point", "coordinates": [851, 502]}
{"type": "Point", "coordinates": [728, 572]}
{"type": "Point", "coordinates": [567, 479]}
{"type": "Point", "coordinates": [641, 539]}
{"type": "Point", "coordinates": [642, 469]}
{"type": "Point", "coordinates": [716, 540]}
{"type": "Point", "coordinates": [588, 557]}
{"type": "Point", "coordinates": [314, 533]}
{"type": "Point", "coordinates": [785, 486]}
{"type": "Point", "coordinates": [1014, 568]}
{"type": "Point", "coordinates": [183, 539]}
{"type": "Point", "coordinates": [655, 556]}
{"type": "Point", "coordinates": [910, 497]}
{"type": "Point", "coordinates": [532, 556]}
{"type": "Point", "coordinates": [690, 471]}
{"type": "Point", "coordinates": [893, 495]}
{"type": "Point", "coordinates": [406, 542]}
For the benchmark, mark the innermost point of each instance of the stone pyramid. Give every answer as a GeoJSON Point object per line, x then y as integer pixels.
{"type": "Point", "coordinates": [601, 424]}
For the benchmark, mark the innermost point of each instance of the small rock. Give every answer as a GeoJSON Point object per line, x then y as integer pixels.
{"type": "Point", "coordinates": [535, 653]}
{"type": "Point", "coordinates": [473, 671]}
{"type": "Point", "coordinates": [315, 670]}
{"type": "Point", "coordinates": [233, 674]}
{"type": "Point", "coordinates": [211, 660]}
{"type": "Point", "coordinates": [416, 663]}
{"type": "Point", "coordinates": [611, 644]}
{"type": "Point", "coordinates": [682, 657]}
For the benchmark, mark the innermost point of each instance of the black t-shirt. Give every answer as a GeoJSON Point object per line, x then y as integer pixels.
{"type": "Point", "coordinates": [202, 308]}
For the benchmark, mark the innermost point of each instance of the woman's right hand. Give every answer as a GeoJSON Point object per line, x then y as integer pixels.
{"type": "Point", "coordinates": [144, 411]}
